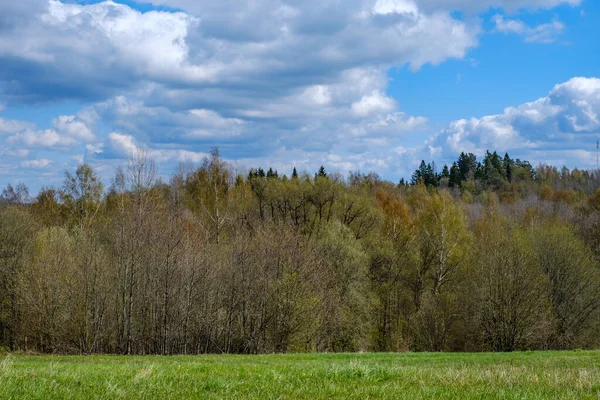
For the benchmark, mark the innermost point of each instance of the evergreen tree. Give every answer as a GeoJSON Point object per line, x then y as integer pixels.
{"type": "Point", "coordinates": [445, 172]}
{"type": "Point", "coordinates": [425, 174]}
{"type": "Point", "coordinates": [508, 167]}
{"type": "Point", "coordinates": [493, 173]}
{"type": "Point", "coordinates": [467, 166]}
{"type": "Point", "coordinates": [418, 175]}
{"type": "Point", "coordinates": [322, 173]}
{"type": "Point", "coordinates": [455, 178]}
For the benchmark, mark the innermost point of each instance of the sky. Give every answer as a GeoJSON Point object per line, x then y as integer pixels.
{"type": "Point", "coordinates": [354, 85]}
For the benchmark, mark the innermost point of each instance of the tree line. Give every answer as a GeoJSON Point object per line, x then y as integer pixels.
{"type": "Point", "coordinates": [484, 256]}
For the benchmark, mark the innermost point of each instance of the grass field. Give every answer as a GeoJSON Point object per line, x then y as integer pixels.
{"type": "Point", "coordinates": [535, 375]}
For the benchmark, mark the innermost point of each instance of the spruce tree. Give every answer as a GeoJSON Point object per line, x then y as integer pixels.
{"type": "Point", "coordinates": [322, 173]}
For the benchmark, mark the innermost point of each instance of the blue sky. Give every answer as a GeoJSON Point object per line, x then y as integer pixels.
{"type": "Point", "coordinates": [369, 85]}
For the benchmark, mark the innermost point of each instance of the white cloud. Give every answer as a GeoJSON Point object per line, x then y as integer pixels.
{"type": "Point", "coordinates": [67, 131]}
{"type": "Point", "coordinates": [353, 110]}
{"type": "Point", "coordinates": [395, 6]}
{"type": "Point", "coordinates": [152, 43]}
{"type": "Point", "coordinates": [46, 138]}
{"type": "Point", "coordinates": [509, 26]}
{"type": "Point", "coordinates": [113, 48]}
{"type": "Point", "coordinates": [544, 33]}
{"type": "Point", "coordinates": [158, 122]}
{"type": "Point", "coordinates": [268, 80]}
{"type": "Point", "coordinates": [69, 126]}
{"type": "Point", "coordinates": [376, 102]}
{"type": "Point", "coordinates": [17, 153]}
{"type": "Point", "coordinates": [8, 126]}
{"type": "Point", "coordinates": [124, 146]}
{"type": "Point", "coordinates": [317, 95]}
{"type": "Point", "coordinates": [36, 164]}
{"type": "Point", "coordinates": [561, 127]}
{"type": "Point", "coordinates": [105, 47]}
{"type": "Point", "coordinates": [239, 8]}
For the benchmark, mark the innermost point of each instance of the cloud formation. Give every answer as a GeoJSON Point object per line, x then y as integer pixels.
{"type": "Point", "coordinates": [271, 82]}
{"type": "Point", "coordinates": [251, 12]}
{"type": "Point", "coordinates": [114, 48]}
{"type": "Point", "coordinates": [561, 127]}
{"type": "Point", "coordinates": [276, 76]}
{"type": "Point", "coordinates": [120, 146]}
{"type": "Point", "coordinates": [67, 131]}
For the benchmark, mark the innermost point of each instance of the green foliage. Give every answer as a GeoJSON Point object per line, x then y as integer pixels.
{"type": "Point", "coordinates": [468, 174]}
{"type": "Point", "coordinates": [512, 293]}
{"type": "Point", "coordinates": [347, 302]}
{"type": "Point", "coordinates": [426, 174]}
{"type": "Point", "coordinates": [491, 255]}
{"type": "Point", "coordinates": [532, 375]}
{"type": "Point", "coordinates": [321, 173]}
{"type": "Point", "coordinates": [17, 228]}
{"type": "Point", "coordinates": [574, 282]}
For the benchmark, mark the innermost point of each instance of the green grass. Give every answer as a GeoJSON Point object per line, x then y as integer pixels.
{"type": "Point", "coordinates": [535, 375]}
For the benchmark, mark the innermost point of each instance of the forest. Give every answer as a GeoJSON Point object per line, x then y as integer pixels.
{"type": "Point", "coordinates": [491, 255]}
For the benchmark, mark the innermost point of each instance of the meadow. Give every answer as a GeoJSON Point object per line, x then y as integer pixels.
{"type": "Point", "coordinates": [528, 375]}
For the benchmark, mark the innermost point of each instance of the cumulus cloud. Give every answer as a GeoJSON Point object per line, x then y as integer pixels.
{"type": "Point", "coordinates": [122, 146]}
{"type": "Point", "coordinates": [251, 12]}
{"type": "Point", "coordinates": [108, 46]}
{"type": "Point", "coordinates": [8, 126]}
{"type": "Point", "coordinates": [66, 132]}
{"type": "Point", "coordinates": [376, 102]}
{"type": "Point", "coordinates": [562, 127]}
{"type": "Point", "coordinates": [114, 48]}
{"type": "Point", "coordinates": [232, 76]}
{"type": "Point", "coordinates": [544, 33]}
{"type": "Point", "coordinates": [269, 81]}
{"type": "Point", "coordinates": [69, 126]}
{"type": "Point", "coordinates": [159, 123]}
{"type": "Point", "coordinates": [45, 138]}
